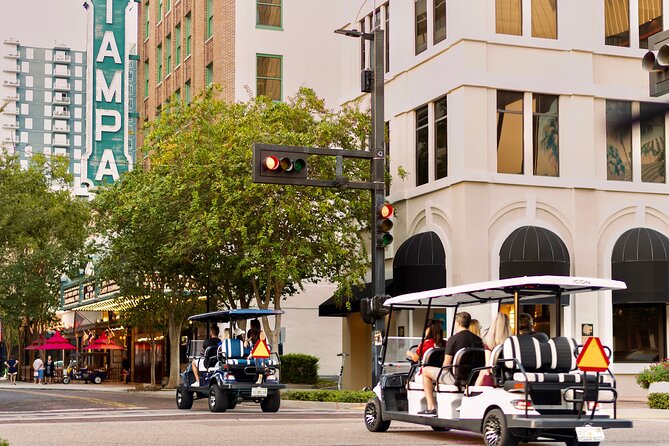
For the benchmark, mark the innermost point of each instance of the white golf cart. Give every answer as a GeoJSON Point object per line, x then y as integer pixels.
{"type": "Point", "coordinates": [538, 392]}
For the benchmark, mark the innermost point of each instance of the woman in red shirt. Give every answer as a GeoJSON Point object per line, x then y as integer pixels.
{"type": "Point", "coordinates": [434, 337]}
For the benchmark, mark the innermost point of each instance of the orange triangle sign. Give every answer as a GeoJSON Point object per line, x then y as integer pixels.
{"type": "Point", "coordinates": [261, 350]}
{"type": "Point", "coordinates": [593, 358]}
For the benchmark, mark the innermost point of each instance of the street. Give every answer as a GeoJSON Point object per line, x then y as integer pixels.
{"type": "Point", "coordinates": [47, 415]}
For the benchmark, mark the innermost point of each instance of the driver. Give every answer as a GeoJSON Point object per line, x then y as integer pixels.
{"type": "Point", "coordinates": [213, 341]}
{"type": "Point", "coordinates": [434, 337]}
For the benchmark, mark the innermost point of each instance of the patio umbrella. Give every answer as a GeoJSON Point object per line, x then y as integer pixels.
{"type": "Point", "coordinates": [56, 342]}
{"type": "Point", "coordinates": [103, 343]}
{"type": "Point", "coordinates": [36, 343]}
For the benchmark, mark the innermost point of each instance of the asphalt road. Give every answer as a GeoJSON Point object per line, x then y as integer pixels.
{"type": "Point", "coordinates": [34, 416]}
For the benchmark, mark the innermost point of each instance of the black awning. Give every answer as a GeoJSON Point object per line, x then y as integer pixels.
{"type": "Point", "coordinates": [533, 251]}
{"type": "Point", "coordinates": [640, 258]}
{"type": "Point", "coordinates": [337, 307]}
{"type": "Point", "coordinates": [419, 264]}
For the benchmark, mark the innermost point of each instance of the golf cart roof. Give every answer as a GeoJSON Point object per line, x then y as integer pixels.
{"type": "Point", "coordinates": [233, 315]}
{"type": "Point", "coordinates": [528, 288]}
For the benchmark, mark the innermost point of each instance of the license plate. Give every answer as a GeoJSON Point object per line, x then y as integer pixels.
{"type": "Point", "coordinates": [588, 434]}
{"type": "Point", "coordinates": [259, 391]}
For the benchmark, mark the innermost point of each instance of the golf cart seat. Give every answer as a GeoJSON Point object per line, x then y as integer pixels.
{"type": "Point", "coordinates": [464, 361]}
{"type": "Point", "coordinates": [233, 353]}
{"type": "Point", "coordinates": [433, 357]}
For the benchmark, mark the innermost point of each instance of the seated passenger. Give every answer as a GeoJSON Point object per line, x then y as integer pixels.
{"type": "Point", "coordinates": [497, 334]}
{"type": "Point", "coordinates": [526, 327]}
{"type": "Point", "coordinates": [434, 337]}
{"type": "Point", "coordinates": [475, 327]}
{"type": "Point", "coordinates": [255, 335]}
{"type": "Point", "coordinates": [462, 338]}
{"type": "Point", "coordinates": [198, 362]}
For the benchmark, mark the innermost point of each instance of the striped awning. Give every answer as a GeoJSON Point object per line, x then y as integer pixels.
{"type": "Point", "coordinates": [113, 304]}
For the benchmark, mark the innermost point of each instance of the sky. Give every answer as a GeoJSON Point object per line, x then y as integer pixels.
{"type": "Point", "coordinates": [40, 23]}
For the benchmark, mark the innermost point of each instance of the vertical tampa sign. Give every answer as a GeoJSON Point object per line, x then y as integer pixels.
{"type": "Point", "coordinates": [107, 152]}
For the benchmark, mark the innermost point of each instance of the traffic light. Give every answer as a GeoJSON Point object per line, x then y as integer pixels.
{"type": "Point", "coordinates": [280, 166]}
{"type": "Point", "coordinates": [657, 64]}
{"type": "Point", "coordinates": [383, 225]}
{"type": "Point", "coordinates": [371, 308]}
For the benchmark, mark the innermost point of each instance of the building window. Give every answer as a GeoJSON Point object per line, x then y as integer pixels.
{"type": "Point", "coordinates": [545, 143]}
{"type": "Point", "coordinates": [177, 45]}
{"type": "Point", "coordinates": [617, 22]}
{"type": "Point", "coordinates": [177, 95]}
{"type": "Point", "coordinates": [508, 17]}
{"type": "Point", "coordinates": [439, 30]}
{"type": "Point", "coordinates": [168, 5]}
{"type": "Point", "coordinates": [168, 55]}
{"type": "Point", "coordinates": [619, 140]}
{"type": "Point", "coordinates": [422, 137]}
{"type": "Point", "coordinates": [147, 10]}
{"type": "Point", "coordinates": [650, 20]}
{"type": "Point", "coordinates": [209, 74]}
{"type": "Point", "coordinates": [386, 35]}
{"type": "Point", "coordinates": [146, 79]}
{"type": "Point", "coordinates": [639, 332]}
{"type": "Point", "coordinates": [420, 13]}
{"type": "Point", "coordinates": [160, 10]}
{"type": "Point", "coordinates": [210, 18]}
{"type": "Point", "coordinates": [187, 92]}
{"type": "Point", "coordinates": [544, 19]}
{"type": "Point", "coordinates": [652, 143]}
{"type": "Point", "coordinates": [509, 132]}
{"type": "Point", "coordinates": [440, 139]}
{"type": "Point", "coordinates": [268, 76]}
{"type": "Point", "coordinates": [268, 13]}
{"type": "Point", "coordinates": [188, 33]}
{"type": "Point", "coordinates": [159, 58]}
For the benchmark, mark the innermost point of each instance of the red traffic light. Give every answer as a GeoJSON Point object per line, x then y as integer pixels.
{"type": "Point", "coordinates": [271, 163]}
{"type": "Point", "coordinates": [386, 211]}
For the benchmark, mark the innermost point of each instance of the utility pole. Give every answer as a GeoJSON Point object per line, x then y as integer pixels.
{"type": "Point", "coordinates": [378, 144]}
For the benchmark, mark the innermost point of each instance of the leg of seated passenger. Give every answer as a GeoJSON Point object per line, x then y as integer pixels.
{"type": "Point", "coordinates": [429, 375]}
{"type": "Point", "coordinates": [194, 367]}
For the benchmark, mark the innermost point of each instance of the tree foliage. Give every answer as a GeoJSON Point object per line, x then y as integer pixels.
{"type": "Point", "coordinates": [43, 232]}
{"type": "Point", "coordinates": [196, 215]}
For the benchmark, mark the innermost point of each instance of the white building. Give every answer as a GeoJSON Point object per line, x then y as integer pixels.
{"type": "Point", "coordinates": [502, 113]}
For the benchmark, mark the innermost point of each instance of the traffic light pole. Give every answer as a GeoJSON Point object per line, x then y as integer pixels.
{"type": "Point", "coordinates": [378, 195]}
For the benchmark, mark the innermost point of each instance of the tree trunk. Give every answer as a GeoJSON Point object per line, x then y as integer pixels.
{"type": "Point", "coordinates": [153, 360]}
{"type": "Point", "coordinates": [174, 334]}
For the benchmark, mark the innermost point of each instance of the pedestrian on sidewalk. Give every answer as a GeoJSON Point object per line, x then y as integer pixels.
{"type": "Point", "coordinates": [49, 370]}
{"type": "Point", "coordinates": [12, 369]}
{"type": "Point", "coordinates": [38, 370]}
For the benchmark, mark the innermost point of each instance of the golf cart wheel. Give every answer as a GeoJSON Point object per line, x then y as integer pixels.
{"type": "Point", "coordinates": [97, 380]}
{"type": "Point", "coordinates": [440, 429]}
{"type": "Point", "coordinates": [66, 379]}
{"type": "Point", "coordinates": [184, 398]}
{"type": "Point", "coordinates": [232, 403]}
{"type": "Point", "coordinates": [219, 400]}
{"type": "Point", "coordinates": [575, 442]}
{"type": "Point", "coordinates": [495, 431]}
{"type": "Point", "coordinates": [271, 403]}
{"type": "Point", "coordinates": [373, 420]}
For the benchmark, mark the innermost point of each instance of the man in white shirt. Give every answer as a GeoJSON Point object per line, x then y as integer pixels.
{"type": "Point", "coordinates": [38, 367]}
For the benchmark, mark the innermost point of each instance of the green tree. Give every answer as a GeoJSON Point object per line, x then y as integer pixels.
{"type": "Point", "coordinates": [197, 216]}
{"type": "Point", "coordinates": [43, 232]}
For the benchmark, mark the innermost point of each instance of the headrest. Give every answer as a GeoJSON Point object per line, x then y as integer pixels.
{"type": "Point", "coordinates": [525, 349]}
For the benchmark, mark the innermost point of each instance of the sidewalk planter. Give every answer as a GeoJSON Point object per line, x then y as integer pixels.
{"type": "Point", "coordinates": [658, 395]}
{"type": "Point", "coordinates": [654, 373]}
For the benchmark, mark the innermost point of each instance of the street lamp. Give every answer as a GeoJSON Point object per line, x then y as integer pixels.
{"type": "Point", "coordinates": [378, 178]}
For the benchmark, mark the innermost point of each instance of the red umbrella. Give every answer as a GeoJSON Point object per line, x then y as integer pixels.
{"type": "Point", "coordinates": [57, 342]}
{"type": "Point", "coordinates": [36, 343]}
{"type": "Point", "coordinates": [103, 343]}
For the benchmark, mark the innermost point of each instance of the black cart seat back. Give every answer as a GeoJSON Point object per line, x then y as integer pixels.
{"type": "Point", "coordinates": [526, 350]}
{"type": "Point", "coordinates": [563, 357]}
{"type": "Point", "coordinates": [433, 357]}
{"type": "Point", "coordinates": [465, 360]}
{"type": "Point", "coordinates": [210, 355]}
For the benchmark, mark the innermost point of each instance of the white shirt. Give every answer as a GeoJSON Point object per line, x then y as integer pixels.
{"type": "Point", "coordinates": [38, 364]}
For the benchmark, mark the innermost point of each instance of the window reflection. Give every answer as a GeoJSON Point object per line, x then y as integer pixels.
{"type": "Point", "coordinates": [545, 135]}
{"type": "Point", "coordinates": [509, 132]}
{"type": "Point", "coordinates": [619, 140]}
{"type": "Point", "coordinates": [544, 19]}
{"type": "Point", "coordinates": [421, 25]}
{"type": "Point", "coordinates": [508, 17]}
{"type": "Point", "coordinates": [638, 332]}
{"type": "Point", "coordinates": [269, 77]}
{"type": "Point", "coordinates": [617, 22]}
{"type": "Point", "coordinates": [652, 143]}
{"type": "Point", "coordinates": [422, 135]}
{"type": "Point", "coordinates": [439, 20]}
{"type": "Point", "coordinates": [440, 139]}
{"type": "Point", "coordinates": [650, 20]}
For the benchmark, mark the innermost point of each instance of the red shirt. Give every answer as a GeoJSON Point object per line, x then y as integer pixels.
{"type": "Point", "coordinates": [424, 346]}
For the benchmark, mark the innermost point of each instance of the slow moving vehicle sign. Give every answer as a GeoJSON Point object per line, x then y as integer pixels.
{"type": "Point", "coordinates": [592, 357]}
{"type": "Point", "coordinates": [261, 350]}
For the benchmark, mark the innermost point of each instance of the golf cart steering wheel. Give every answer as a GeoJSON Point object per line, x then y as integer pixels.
{"type": "Point", "coordinates": [219, 353]}
{"type": "Point", "coordinates": [413, 349]}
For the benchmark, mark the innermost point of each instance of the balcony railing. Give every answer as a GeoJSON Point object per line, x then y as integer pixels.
{"type": "Point", "coordinates": [62, 73]}
{"type": "Point", "coordinates": [61, 87]}
{"type": "Point", "coordinates": [14, 69]}
{"type": "Point", "coordinates": [61, 142]}
{"type": "Point", "coordinates": [61, 100]}
{"type": "Point", "coordinates": [10, 125]}
{"type": "Point", "coordinates": [11, 98]}
{"type": "Point", "coordinates": [61, 129]}
{"type": "Point", "coordinates": [62, 59]}
{"type": "Point", "coordinates": [11, 83]}
{"type": "Point", "coordinates": [10, 111]}
{"type": "Point", "coordinates": [11, 41]}
{"type": "Point", "coordinates": [7, 139]}
{"type": "Point", "coordinates": [61, 113]}
{"type": "Point", "coordinates": [11, 56]}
